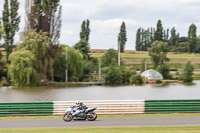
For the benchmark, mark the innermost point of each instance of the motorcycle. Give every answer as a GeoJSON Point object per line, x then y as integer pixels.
{"type": "Point", "coordinates": [89, 114]}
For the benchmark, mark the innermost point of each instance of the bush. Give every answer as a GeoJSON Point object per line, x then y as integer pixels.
{"type": "Point", "coordinates": [113, 75]}
{"type": "Point", "coordinates": [3, 73]}
{"type": "Point", "coordinates": [117, 75]}
{"type": "Point", "coordinates": [136, 79]}
{"type": "Point", "coordinates": [158, 81]}
{"type": "Point", "coordinates": [164, 71]}
{"type": "Point", "coordinates": [4, 82]}
{"type": "Point", "coordinates": [187, 72]}
{"type": "Point", "coordinates": [126, 74]}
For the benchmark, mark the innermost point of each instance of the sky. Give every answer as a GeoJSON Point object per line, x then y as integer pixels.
{"type": "Point", "coordinates": [106, 17]}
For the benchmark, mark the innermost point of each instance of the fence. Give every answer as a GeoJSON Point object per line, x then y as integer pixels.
{"type": "Point", "coordinates": [172, 106]}
{"type": "Point", "coordinates": [26, 108]}
{"type": "Point", "coordinates": [103, 107]}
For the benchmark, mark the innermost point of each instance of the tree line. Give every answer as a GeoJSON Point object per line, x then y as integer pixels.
{"type": "Point", "coordinates": [176, 43]}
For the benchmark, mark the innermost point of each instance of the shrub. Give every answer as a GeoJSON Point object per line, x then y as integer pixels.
{"type": "Point", "coordinates": [136, 79]}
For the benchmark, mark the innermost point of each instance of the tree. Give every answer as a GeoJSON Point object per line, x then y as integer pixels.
{"type": "Point", "coordinates": [70, 59]}
{"type": "Point", "coordinates": [11, 21]}
{"type": "Point", "coordinates": [110, 57]}
{"type": "Point", "coordinates": [166, 35]}
{"type": "Point", "coordinates": [90, 66]}
{"type": "Point", "coordinates": [44, 15]}
{"type": "Point", "coordinates": [1, 30]}
{"type": "Point", "coordinates": [136, 79]}
{"type": "Point", "coordinates": [113, 74]}
{"type": "Point", "coordinates": [85, 30]}
{"type": "Point", "coordinates": [83, 45]}
{"type": "Point", "coordinates": [144, 39]}
{"type": "Point", "coordinates": [174, 37]}
{"type": "Point", "coordinates": [1, 33]}
{"type": "Point", "coordinates": [59, 67]}
{"type": "Point", "coordinates": [39, 44]}
{"type": "Point", "coordinates": [84, 48]}
{"type": "Point", "coordinates": [164, 70]}
{"type": "Point", "coordinates": [158, 36]}
{"type": "Point", "coordinates": [137, 46]}
{"type": "Point", "coordinates": [74, 64]}
{"type": "Point", "coordinates": [122, 37]}
{"type": "Point", "coordinates": [187, 72]}
{"type": "Point", "coordinates": [22, 68]}
{"type": "Point", "coordinates": [158, 53]}
{"type": "Point", "coordinates": [192, 38]}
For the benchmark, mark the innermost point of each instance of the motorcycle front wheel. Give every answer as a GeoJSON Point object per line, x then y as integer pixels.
{"type": "Point", "coordinates": [91, 116]}
{"type": "Point", "coordinates": [67, 117]}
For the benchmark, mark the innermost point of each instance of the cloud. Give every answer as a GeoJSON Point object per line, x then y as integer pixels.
{"type": "Point", "coordinates": [112, 23]}
{"type": "Point", "coordinates": [106, 17]}
{"type": "Point", "coordinates": [188, 1]}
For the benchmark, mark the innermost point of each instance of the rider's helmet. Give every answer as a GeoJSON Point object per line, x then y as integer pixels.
{"type": "Point", "coordinates": [78, 102]}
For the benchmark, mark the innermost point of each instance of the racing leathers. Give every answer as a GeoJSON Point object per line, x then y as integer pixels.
{"type": "Point", "coordinates": [80, 108]}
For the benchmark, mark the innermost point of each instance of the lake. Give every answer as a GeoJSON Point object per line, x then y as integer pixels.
{"type": "Point", "coordinates": [148, 91]}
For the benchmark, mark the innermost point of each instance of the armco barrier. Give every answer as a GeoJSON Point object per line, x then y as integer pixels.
{"type": "Point", "coordinates": [103, 107]}
{"type": "Point", "coordinates": [26, 108]}
{"type": "Point", "coordinates": [172, 106]}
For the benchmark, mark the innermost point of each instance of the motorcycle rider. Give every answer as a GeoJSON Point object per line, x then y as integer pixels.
{"type": "Point", "coordinates": [80, 108]}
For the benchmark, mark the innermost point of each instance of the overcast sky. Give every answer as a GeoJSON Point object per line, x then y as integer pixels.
{"type": "Point", "coordinates": [106, 17]}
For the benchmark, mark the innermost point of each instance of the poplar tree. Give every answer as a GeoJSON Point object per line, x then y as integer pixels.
{"type": "Point", "coordinates": [137, 46]}
{"type": "Point", "coordinates": [83, 45]}
{"type": "Point", "coordinates": [122, 37]}
{"type": "Point", "coordinates": [144, 39]}
{"type": "Point", "coordinates": [11, 21]}
{"type": "Point", "coordinates": [158, 36]}
{"type": "Point", "coordinates": [85, 30]}
{"type": "Point", "coordinates": [84, 48]}
{"type": "Point", "coordinates": [174, 37]}
{"type": "Point", "coordinates": [192, 38]}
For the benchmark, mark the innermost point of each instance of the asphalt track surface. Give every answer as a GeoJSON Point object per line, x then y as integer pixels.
{"type": "Point", "coordinates": [134, 121]}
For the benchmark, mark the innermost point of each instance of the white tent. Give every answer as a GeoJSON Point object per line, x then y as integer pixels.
{"type": "Point", "coordinates": [151, 74]}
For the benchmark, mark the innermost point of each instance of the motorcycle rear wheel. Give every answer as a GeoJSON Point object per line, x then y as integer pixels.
{"type": "Point", "coordinates": [91, 116]}
{"type": "Point", "coordinates": [67, 117]}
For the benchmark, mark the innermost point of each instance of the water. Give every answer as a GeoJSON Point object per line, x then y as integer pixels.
{"type": "Point", "coordinates": [170, 91]}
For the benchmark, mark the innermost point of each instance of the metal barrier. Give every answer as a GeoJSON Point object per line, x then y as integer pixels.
{"type": "Point", "coordinates": [172, 106]}
{"type": "Point", "coordinates": [103, 107]}
{"type": "Point", "coordinates": [26, 108]}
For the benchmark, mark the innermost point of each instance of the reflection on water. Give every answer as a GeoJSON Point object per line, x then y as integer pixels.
{"type": "Point", "coordinates": [156, 91]}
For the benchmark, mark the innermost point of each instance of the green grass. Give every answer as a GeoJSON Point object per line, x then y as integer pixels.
{"type": "Point", "coordinates": [105, 116]}
{"type": "Point", "coordinates": [129, 129]}
{"type": "Point", "coordinates": [177, 61]}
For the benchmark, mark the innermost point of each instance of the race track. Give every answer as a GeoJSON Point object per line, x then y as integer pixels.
{"type": "Point", "coordinates": [134, 121]}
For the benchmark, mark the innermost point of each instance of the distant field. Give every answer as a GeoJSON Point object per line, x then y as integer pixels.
{"type": "Point", "coordinates": [133, 59]}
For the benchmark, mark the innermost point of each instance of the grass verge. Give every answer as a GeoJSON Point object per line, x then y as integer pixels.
{"type": "Point", "coordinates": [105, 116]}
{"type": "Point", "coordinates": [138, 129]}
